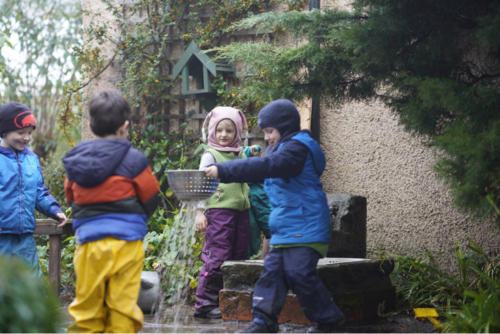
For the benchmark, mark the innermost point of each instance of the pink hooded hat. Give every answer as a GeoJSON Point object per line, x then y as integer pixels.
{"type": "Point", "coordinates": [217, 115]}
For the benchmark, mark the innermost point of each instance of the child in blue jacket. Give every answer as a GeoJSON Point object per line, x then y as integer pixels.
{"type": "Point", "coordinates": [299, 220]}
{"type": "Point", "coordinates": [22, 187]}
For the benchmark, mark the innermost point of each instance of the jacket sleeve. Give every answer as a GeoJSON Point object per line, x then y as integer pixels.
{"type": "Point", "coordinates": [286, 162]}
{"type": "Point", "coordinates": [147, 189]}
{"type": "Point", "coordinates": [45, 203]}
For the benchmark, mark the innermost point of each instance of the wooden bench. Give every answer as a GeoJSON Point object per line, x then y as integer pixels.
{"type": "Point", "coordinates": [49, 227]}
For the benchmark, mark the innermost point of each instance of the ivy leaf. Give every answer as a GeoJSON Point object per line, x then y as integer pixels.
{"type": "Point", "coordinates": [157, 167]}
{"type": "Point", "coordinates": [147, 151]}
{"type": "Point", "coordinates": [151, 127]}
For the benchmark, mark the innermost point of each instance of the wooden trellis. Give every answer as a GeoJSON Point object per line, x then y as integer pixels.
{"type": "Point", "coordinates": [172, 105]}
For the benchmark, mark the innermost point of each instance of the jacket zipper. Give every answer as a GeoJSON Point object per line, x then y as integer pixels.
{"type": "Point", "coordinates": [20, 194]}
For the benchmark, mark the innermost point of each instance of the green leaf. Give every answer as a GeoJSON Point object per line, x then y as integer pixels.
{"type": "Point", "coordinates": [147, 151]}
{"type": "Point", "coordinates": [157, 167]}
{"type": "Point", "coordinates": [198, 149]}
{"type": "Point", "coordinates": [169, 192]}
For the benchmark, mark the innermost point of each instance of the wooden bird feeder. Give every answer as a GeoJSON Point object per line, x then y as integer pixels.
{"type": "Point", "coordinates": [198, 71]}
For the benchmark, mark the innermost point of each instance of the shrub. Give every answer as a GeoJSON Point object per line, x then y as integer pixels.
{"type": "Point", "coordinates": [26, 305]}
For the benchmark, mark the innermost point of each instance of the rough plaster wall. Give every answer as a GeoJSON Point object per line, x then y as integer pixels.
{"type": "Point", "coordinates": [100, 82]}
{"type": "Point", "coordinates": [369, 154]}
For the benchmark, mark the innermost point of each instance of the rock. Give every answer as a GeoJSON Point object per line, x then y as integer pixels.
{"type": "Point", "coordinates": [348, 217]}
{"type": "Point", "coordinates": [150, 293]}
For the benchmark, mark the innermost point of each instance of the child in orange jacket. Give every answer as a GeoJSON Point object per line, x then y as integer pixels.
{"type": "Point", "coordinates": [112, 192]}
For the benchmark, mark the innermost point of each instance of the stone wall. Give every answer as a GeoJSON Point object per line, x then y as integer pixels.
{"type": "Point", "coordinates": [408, 208]}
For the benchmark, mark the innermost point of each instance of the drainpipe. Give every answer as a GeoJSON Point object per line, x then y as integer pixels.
{"type": "Point", "coordinates": [315, 116]}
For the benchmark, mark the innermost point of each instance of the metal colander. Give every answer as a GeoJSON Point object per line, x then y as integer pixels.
{"type": "Point", "coordinates": [191, 184]}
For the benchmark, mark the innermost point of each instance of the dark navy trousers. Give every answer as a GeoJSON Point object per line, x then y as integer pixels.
{"type": "Point", "coordinates": [293, 269]}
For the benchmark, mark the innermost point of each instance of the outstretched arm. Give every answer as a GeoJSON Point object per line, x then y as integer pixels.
{"type": "Point", "coordinates": [287, 162]}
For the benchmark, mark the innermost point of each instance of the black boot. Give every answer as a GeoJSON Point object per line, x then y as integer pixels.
{"type": "Point", "coordinates": [326, 327]}
{"type": "Point", "coordinates": [212, 314]}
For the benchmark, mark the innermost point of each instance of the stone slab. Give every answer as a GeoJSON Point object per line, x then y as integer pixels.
{"type": "Point", "coordinates": [338, 274]}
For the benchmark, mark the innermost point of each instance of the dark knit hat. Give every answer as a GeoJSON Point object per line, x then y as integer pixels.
{"type": "Point", "coordinates": [281, 115]}
{"type": "Point", "coordinates": [15, 116]}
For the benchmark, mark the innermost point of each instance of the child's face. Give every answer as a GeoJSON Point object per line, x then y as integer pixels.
{"type": "Point", "coordinates": [17, 140]}
{"type": "Point", "coordinates": [271, 135]}
{"type": "Point", "coordinates": [225, 133]}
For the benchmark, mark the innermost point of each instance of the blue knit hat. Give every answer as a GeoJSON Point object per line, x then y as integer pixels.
{"type": "Point", "coordinates": [281, 115]}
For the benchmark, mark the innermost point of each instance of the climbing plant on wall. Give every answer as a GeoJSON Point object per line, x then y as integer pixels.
{"type": "Point", "coordinates": [146, 28]}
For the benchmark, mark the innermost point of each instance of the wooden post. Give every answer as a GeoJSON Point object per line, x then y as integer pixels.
{"type": "Point", "coordinates": [55, 245]}
{"type": "Point", "coordinates": [49, 227]}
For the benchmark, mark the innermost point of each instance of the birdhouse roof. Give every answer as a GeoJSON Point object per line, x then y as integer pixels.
{"type": "Point", "coordinates": [194, 51]}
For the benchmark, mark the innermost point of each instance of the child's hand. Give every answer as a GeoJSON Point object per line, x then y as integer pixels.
{"type": "Point", "coordinates": [200, 222]}
{"type": "Point", "coordinates": [61, 217]}
{"type": "Point", "coordinates": [212, 172]}
{"type": "Point", "coordinates": [255, 153]}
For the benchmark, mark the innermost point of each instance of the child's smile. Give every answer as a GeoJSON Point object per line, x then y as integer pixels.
{"type": "Point", "coordinates": [271, 135]}
{"type": "Point", "coordinates": [17, 140]}
{"type": "Point", "coordinates": [225, 132]}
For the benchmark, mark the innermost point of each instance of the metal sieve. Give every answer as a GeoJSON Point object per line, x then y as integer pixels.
{"type": "Point", "coordinates": [191, 184]}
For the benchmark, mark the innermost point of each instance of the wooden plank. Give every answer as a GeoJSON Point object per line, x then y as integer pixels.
{"type": "Point", "coordinates": [49, 226]}
{"type": "Point", "coordinates": [55, 245]}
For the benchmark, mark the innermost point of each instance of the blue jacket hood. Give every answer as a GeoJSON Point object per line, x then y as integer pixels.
{"type": "Point", "coordinates": [91, 162]}
{"type": "Point", "coordinates": [318, 155]}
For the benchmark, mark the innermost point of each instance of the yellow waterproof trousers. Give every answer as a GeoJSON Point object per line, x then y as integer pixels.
{"type": "Point", "coordinates": [108, 274]}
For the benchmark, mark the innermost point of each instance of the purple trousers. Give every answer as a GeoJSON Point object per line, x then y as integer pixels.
{"type": "Point", "coordinates": [226, 238]}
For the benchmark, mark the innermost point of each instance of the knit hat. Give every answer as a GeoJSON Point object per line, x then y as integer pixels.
{"type": "Point", "coordinates": [214, 117]}
{"type": "Point", "coordinates": [15, 116]}
{"type": "Point", "coordinates": [281, 115]}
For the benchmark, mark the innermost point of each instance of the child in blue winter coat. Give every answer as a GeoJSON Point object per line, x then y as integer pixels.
{"type": "Point", "coordinates": [22, 187]}
{"type": "Point", "coordinates": [299, 220]}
